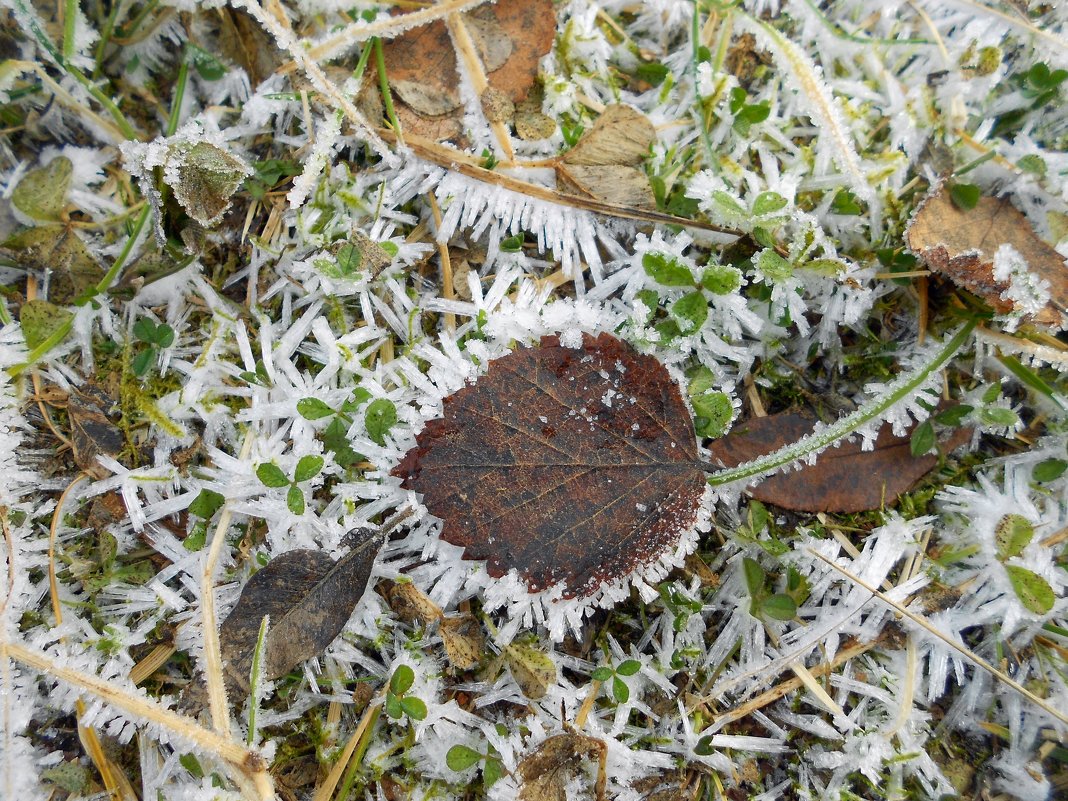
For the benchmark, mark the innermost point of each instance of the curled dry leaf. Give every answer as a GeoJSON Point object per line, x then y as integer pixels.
{"type": "Point", "coordinates": [90, 409]}
{"type": "Point", "coordinates": [845, 479]}
{"type": "Point", "coordinates": [533, 670]}
{"type": "Point", "coordinates": [604, 162]}
{"type": "Point", "coordinates": [546, 772]}
{"type": "Point", "coordinates": [961, 243]}
{"type": "Point", "coordinates": [464, 642]}
{"type": "Point", "coordinates": [309, 597]}
{"type": "Point", "coordinates": [571, 466]}
{"type": "Point", "coordinates": [203, 178]}
{"type": "Point", "coordinates": [410, 603]}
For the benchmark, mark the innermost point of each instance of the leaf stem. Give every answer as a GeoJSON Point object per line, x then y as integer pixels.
{"type": "Point", "coordinates": [876, 407]}
{"type": "Point", "coordinates": [387, 96]}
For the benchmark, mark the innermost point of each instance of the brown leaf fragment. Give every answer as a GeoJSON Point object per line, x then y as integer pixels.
{"type": "Point", "coordinates": [409, 603]}
{"type": "Point", "coordinates": [309, 598]}
{"type": "Point", "coordinates": [621, 135]}
{"type": "Point", "coordinates": [106, 510]}
{"type": "Point", "coordinates": [532, 670]}
{"type": "Point", "coordinates": [572, 466]}
{"type": "Point", "coordinates": [92, 432]}
{"type": "Point", "coordinates": [243, 41]}
{"type": "Point", "coordinates": [961, 243]}
{"type": "Point", "coordinates": [844, 479]}
{"type": "Point", "coordinates": [464, 642]}
{"type": "Point", "coordinates": [546, 772]}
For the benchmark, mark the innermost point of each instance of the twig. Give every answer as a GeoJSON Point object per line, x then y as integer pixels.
{"type": "Point", "coordinates": [326, 790]}
{"type": "Point", "coordinates": [213, 668]}
{"type": "Point", "coordinates": [465, 49]}
{"type": "Point", "coordinates": [962, 650]}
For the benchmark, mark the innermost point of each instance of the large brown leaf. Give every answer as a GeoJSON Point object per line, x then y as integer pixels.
{"type": "Point", "coordinates": [845, 479]}
{"type": "Point", "coordinates": [573, 466]}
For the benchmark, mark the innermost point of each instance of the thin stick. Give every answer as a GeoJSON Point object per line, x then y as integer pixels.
{"type": "Point", "coordinates": [465, 164]}
{"type": "Point", "coordinates": [788, 686]}
{"type": "Point", "coordinates": [465, 48]}
{"type": "Point", "coordinates": [326, 790]}
{"type": "Point", "coordinates": [386, 29]}
{"type": "Point", "coordinates": [213, 670]}
{"type": "Point", "coordinates": [245, 760]}
{"type": "Point", "coordinates": [446, 262]}
{"type": "Point", "coordinates": [962, 650]}
{"type": "Point", "coordinates": [57, 516]}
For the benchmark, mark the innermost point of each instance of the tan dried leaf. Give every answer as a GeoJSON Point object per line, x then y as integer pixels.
{"type": "Point", "coordinates": [621, 136]}
{"type": "Point", "coordinates": [91, 431]}
{"type": "Point", "coordinates": [614, 183]}
{"type": "Point", "coordinates": [410, 603]}
{"type": "Point", "coordinates": [427, 97]}
{"type": "Point", "coordinates": [497, 106]}
{"type": "Point", "coordinates": [464, 642]}
{"type": "Point", "coordinates": [547, 771]}
{"type": "Point", "coordinates": [961, 243]}
{"type": "Point", "coordinates": [532, 670]}
{"type": "Point", "coordinates": [60, 250]}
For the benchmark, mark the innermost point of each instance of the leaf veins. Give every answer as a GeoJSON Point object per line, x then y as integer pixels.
{"type": "Point", "coordinates": [572, 466]}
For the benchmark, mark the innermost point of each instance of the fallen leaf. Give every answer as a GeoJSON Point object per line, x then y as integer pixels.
{"type": "Point", "coordinates": [844, 479]}
{"type": "Point", "coordinates": [90, 409]}
{"type": "Point", "coordinates": [603, 163]}
{"type": "Point", "coordinates": [572, 466]}
{"type": "Point", "coordinates": [464, 642]}
{"type": "Point", "coordinates": [961, 243]}
{"type": "Point", "coordinates": [42, 193]}
{"type": "Point", "coordinates": [510, 36]}
{"type": "Point", "coordinates": [409, 603]}
{"type": "Point", "coordinates": [547, 772]}
{"type": "Point", "coordinates": [59, 250]}
{"type": "Point", "coordinates": [621, 135]}
{"type": "Point", "coordinates": [309, 597]}
{"type": "Point", "coordinates": [243, 41]}
{"type": "Point", "coordinates": [532, 670]}
{"type": "Point", "coordinates": [203, 178]}
{"type": "Point", "coordinates": [40, 320]}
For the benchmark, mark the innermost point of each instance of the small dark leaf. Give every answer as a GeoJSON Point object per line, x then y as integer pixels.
{"type": "Point", "coordinates": [393, 706]}
{"type": "Point", "coordinates": [1012, 534]}
{"type": "Point", "coordinates": [573, 466]}
{"type": "Point", "coordinates": [1049, 470]}
{"type": "Point", "coordinates": [620, 690]}
{"type": "Point", "coordinates": [309, 597]}
{"type": "Point", "coordinates": [754, 576]}
{"type": "Point", "coordinates": [964, 196]}
{"type": "Point", "coordinates": [142, 361]}
{"type": "Point", "coordinates": [923, 439]}
{"type": "Point", "coordinates": [704, 747]}
{"type": "Point", "coordinates": [491, 772]}
{"type": "Point", "coordinates": [92, 430]}
{"type": "Point", "coordinates": [379, 418]}
{"type": "Point", "coordinates": [601, 674]}
{"type": "Point", "coordinates": [145, 330]}
{"type": "Point", "coordinates": [845, 479]}
{"type": "Point", "coordinates": [666, 270]}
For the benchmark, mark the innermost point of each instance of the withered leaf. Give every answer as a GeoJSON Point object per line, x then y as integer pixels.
{"type": "Point", "coordinates": [409, 603]}
{"type": "Point", "coordinates": [621, 135]}
{"type": "Point", "coordinates": [532, 670]}
{"type": "Point", "coordinates": [58, 249]}
{"type": "Point", "coordinates": [844, 479]}
{"type": "Point", "coordinates": [572, 466]}
{"type": "Point", "coordinates": [546, 772]}
{"type": "Point", "coordinates": [603, 164]}
{"type": "Point", "coordinates": [243, 41]}
{"type": "Point", "coordinates": [464, 642]}
{"type": "Point", "coordinates": [92, 432]}
{"type": "Point", "coordinates": [961, 244]}
{"type": "Point", "coordinates": [204, 177]}
{"type": "Point", "coordinates": [309, 597]}
{"type": "Point", "coordinates": [42, 193]}
{"type": "Point", "coordinates": [625, 186]}
{"type": "Point", "coordinates": [41, 320]}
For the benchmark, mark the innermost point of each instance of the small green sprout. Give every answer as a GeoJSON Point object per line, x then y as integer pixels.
{"type": "Point", "coordinates": [620, 690]}
{"type": "Point", "coordinates": [398, 703]}
{"type": "Point", "coordinates": [462, 757]}
{"type": "Point", "coordinates": [157, 337]}
{"type": "Point", "coordinates": [272, 476]}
